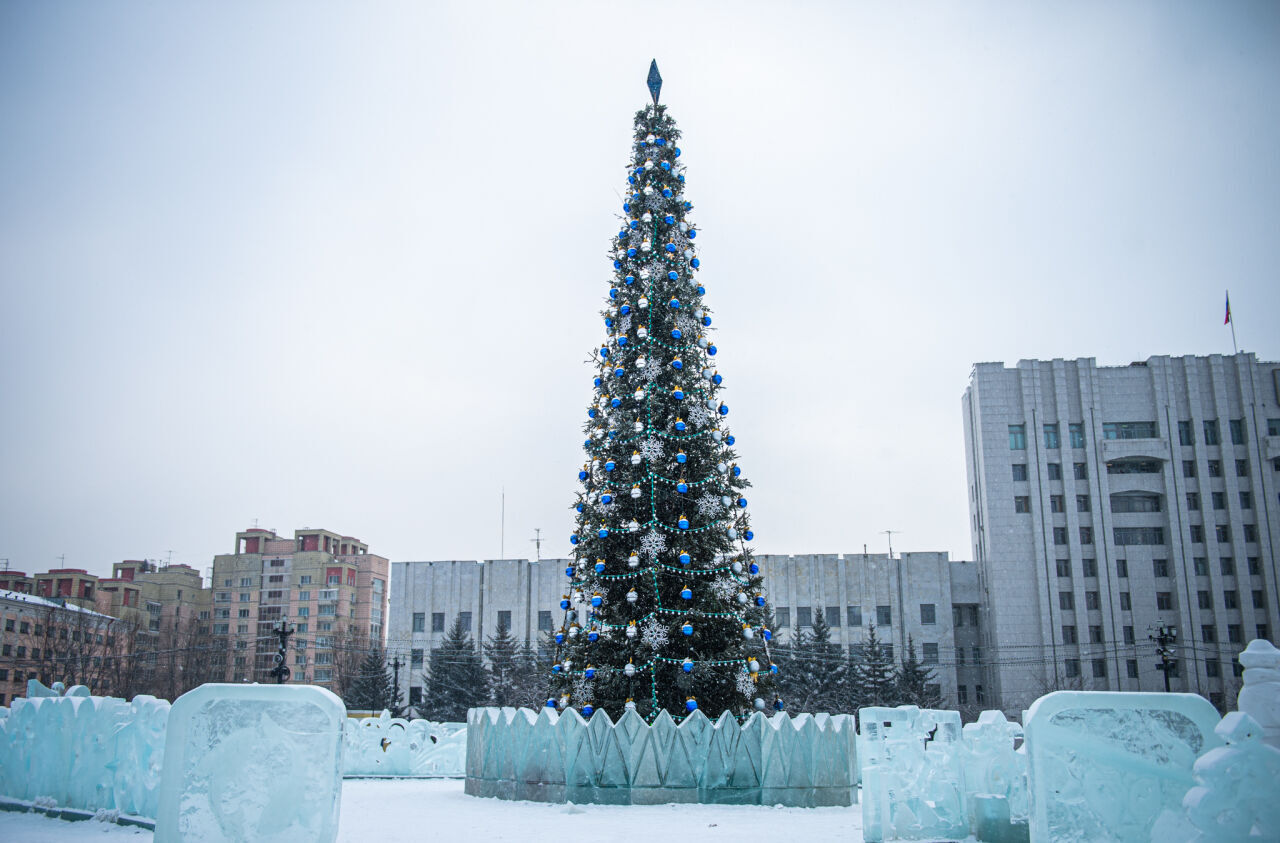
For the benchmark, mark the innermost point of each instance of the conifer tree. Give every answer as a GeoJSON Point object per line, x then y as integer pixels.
{"type": "Point", "coordinates": [826, 667]}
{"type": "Point", "coordinates": [502, 669]}
{"type": "Point", "coordinates": [874, 674]}
{"type": "Point", "coordinates": [913, 680]}
{"type": "Point", "coordinates": [664, 606]}
{"type": "Point", "coordinates": [373, 688]}
{"type": "Point", "coordinates": [455, 677]}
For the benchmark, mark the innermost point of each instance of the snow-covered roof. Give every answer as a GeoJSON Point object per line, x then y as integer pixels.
{"type": "Point", "coordinates": [33, 600]}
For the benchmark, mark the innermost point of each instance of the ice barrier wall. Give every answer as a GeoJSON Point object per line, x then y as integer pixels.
{"type": "Point", "coordinates": [806, 761]}
{"type": "Point", "coordinates": [91, 753]}
{"type": "Point", "coordinates": [391, 746]}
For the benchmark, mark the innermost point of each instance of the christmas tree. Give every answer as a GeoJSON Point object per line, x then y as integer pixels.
{"type": "Point", "coordinates": [664, 607]}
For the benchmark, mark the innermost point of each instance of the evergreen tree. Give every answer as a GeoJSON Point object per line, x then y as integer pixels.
{"type": "Point", "coordinates": [874, 674]}
{"type": "Point", "coordinates": [913, 679]}
{"type": "Point", "coordinates": [500, 652]}
{"type": "Point", "coordinates": [455, 677]}
{"type": "Point", "coordinates": [372, 689]}
{"type": "Point", "coordinates": [529, 685]}
{"type": "Point", "coordinates": [816, 678]}
{"type": "Point", "coordinates": [665, 602]}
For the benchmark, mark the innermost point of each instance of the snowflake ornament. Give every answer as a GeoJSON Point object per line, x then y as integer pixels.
{"type": "Point", "coordinates": [651, 448]}
{"type": "Point", "coordinates": [654, 634]}
{"type": "Point", "coordinates": [652, 544]}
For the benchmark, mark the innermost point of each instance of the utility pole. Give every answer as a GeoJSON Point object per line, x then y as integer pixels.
{"type": "Point", "coordinates": [537, 541]}
{"type": "Point", "coordinates": [395, 672]}
{"type": "Point", "coordinates": [1165, 636]}
{"type": "Point", "coordinates": [281, 670]}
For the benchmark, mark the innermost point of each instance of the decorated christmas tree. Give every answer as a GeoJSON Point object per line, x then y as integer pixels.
{"type": "Point", "coordinates": [664, 605]}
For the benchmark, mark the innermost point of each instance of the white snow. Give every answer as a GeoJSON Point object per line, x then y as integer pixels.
{"type": "Point", "coordinates": [406, 809]}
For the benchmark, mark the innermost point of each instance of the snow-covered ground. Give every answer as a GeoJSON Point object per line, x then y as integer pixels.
{"type": "Point", "coordinates": [399, 809]}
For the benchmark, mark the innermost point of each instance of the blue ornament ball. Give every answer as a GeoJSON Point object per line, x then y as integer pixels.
{"type": "Point", "coordinates": [667, 194]}
{"type": "Point", "coordinates": [661, 141]}
{"type": "Point", "coordinates": [692, 233]}
{"type": "Point", "coordinates": [678, 394]}
{"type": "Point", "coordinates": [687, 628]}
{"type": "Point", "coordinates": [590, 672]}
{"type": "Point", "coordinates": [742, 503]}
{"type": "Point", "coordinates": [691, 704]}
{"type": "Point", "coordinates": [551, 703]}
{"type": "Point", "coordinates": [669, 220]}
{"type": "Point", "coordinates": [759, 599]}
{"type": "Point", "coordinates": [617, 264]}
{"type": "Point", "coordinates": [622, 341]}
{"type": "Point", "coordinates": [702, 291]}
{"type": "Point", "coordinates": [680, 426]}
{"type": "Point", "coordinates": [711, 349]}
{"type": "Point", "coordinates": [684, 559]}
{"type": "Point", "coordinates": [619, 372]}
{"type": "Point", "coordinates": [582, 475]}
{"type": "Point", "coordinates": [568, 572]}
{"type": "Point", "coordinates": [631, 252]}
{"type": "Point", "coordinates": [630, 279]}
{"type": "Point", "coordinates": [682, 457]}
{"type": "Point", "coordinates": [559, 640]}
{"type": "Point", "coordinates": [686, 593]}
{"type": "Point", "coordinates": [596, 600]}
{"type": "Point", "coordinates": [597, 382]}
{"type": "Point", "coordinates": [673, 275]}
{"type": "Point", "coordinates": [675, 333]}
{"type": "Point", "coordinates": [671, 247]}
{"type": "Point", "coordinates": [593, 635]}
{"type": "Point", "coordinates": [578, 507]}
{"type": "Point", "coordinates": [599, 566]}
{"type": "Point", "coordinates": [716, 379]}
{"type": "Point", "coordinates": [674, 304]}
{"type": "Point", "coordinates": [603, 533]}
{"type": "Point", "coordinates": [564, 603]}
{"type": "Point", "coordinates": [588, 710]}
{"type": "Point", "coordinates": [682, 487]}
{"type": "Point", "coordinates": [729, 440]}
{"type": "Point", "coordinates": [615, 403]}
{"type": "Point", "coordinates": [748, 535]}
{"type": "Point", "coordinates": [683, 523]}
{"type": "Point", "coordinates": [677, 152]}
{"type": "Point", "coordinates": [572, 540]}
{"type": "Point", "coordinates": [626, 207]}
{"type": "Point", "coordinates": [724, 409]}
{"type": "Point", "coordinates": [687, 665]}
{"type": "Point", "coordinates": [754, 569]}
{"type": "Point", "coordinates": [695, 263]}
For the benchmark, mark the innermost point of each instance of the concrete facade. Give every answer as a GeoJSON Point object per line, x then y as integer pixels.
{"type": "Point", "coordinates": [851, 590]}
{"type": "Point", "coordinates": [1106, 501]}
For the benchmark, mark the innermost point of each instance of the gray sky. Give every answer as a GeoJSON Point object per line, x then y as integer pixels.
{"type": "Point", "coordinates": [340, 265]}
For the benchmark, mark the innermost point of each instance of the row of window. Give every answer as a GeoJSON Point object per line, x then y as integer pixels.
{"type": "Point", "coordinates": [962, 695]}
{"type": "Point", "coordinates": [26, 628]}
{"type": "Point", "coordinates": [1137, 430]}
{"type": "Point", "coordinates": [1160, 567]}
{"type": "Point", "coordinates": [1146, 536]}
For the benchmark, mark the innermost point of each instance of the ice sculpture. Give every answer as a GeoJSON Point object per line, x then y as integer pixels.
{"type": "Point", "coordinates": [391, 746]}
{"type": "Point", "coordinates": [252, 762]}
{"type": "Point", "coordinates": [911, 774]}
{"type": "Point", "coordinates": [1260, 697]}
{"type": "Point", "coordinates": [1103, 765]}
{"type": "Point", "coordinates": [81, 751]}
{"type": "Point", "coordinates": [1234, 800]}
{"type": "Point", "coordinates": [549, 757]}
{"type": "Point", "coordinates": [995, 779]}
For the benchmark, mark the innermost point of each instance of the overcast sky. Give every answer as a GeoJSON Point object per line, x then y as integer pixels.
{"type": "Point", "coordinates": [340, 265]}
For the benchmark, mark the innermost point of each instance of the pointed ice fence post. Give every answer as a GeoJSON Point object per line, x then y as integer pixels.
{"type": "Point", "coordinates": [1104, 765]}
{"type": "Point", "coordinates": [252, 762]}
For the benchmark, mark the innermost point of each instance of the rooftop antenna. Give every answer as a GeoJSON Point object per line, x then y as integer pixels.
{"type": "Point", "coordinates": [537, 541]}
{"type": "Point", "coordinates": [170, 562]}
{"type": "Point", "coordinates": [502, 552]}
{"type": "Point", "coordinates": [890, 533]}
{"type": "Point", "coordinates": [62, 561]}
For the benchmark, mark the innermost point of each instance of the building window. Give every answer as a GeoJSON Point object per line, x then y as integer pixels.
{"type": "Point", "coordinates": [1051, 437]}
{"type": "Point", "coordinates": [437, 621]}
{"type": "Point", "coordinates": [1057, 504]}
{"type": "Point", "coordinates": [1055, 471]}
{"type": "Point", "coordinates": [1086, 535]}
{"type": "Point", "coordinates": [415, 658]}
{"type": "Point", "coordinates": [1131, 466]}
{"type": "Point", "coordinates": [1186, 434]}
{"type": "Point", "coordinates": [1076, 432]}
{"type": "Point", "coordinates": [1160, 567]}
{"type": "Point", "coordinates": [804, 616]}
{"type": "Point", "coordinates": [1215, 468]}
{"type": "Point", "coordinates": [1197, 534]}
{"type": "Point", "coordinates": [928, 614]}
{"type": "Point", "coordinates": [1081, 471]}
{"type": "Point", "coordinates": [1130, 430]}
{"type": "Point", "coordinates": [1211, 432]}
{"type": "Point", "coordinates": [1059, 535]}
{"type": "Point", "coordinates": [1066, 601]}
{"type": "Point", "coordinates": [1072, 668]}
{"type": "Point", "coordinates": [1069, 635]}
{"type": "Point", "coordinates": [833, 616]}
{"type": "Point", "coordinates": [1204, 599]}
{"type": "Point", "coordinates": [1022, 504]}
{"type": "Point", "coordinates": [1219, 500]}
{"type": "Point", "coordinates": [1095, 634]}
{"type": "Point", "coordinates": [1091, 600]}
{"type": "Point", "coordinates": [1126, 604]}
{"type": "Point", "coordinates": [1255, 566]}
{"type": "Point", "coordinates": [1099, 668]}
{"type": "Point", "coordinates": [244, 597]}
{"type": "Point", "coordinates": [962, 695]}
{"type": "Point", "coordinates": [854, 615]}
{"type": "Point", "coordinates": [1189, 469]}
{"type": "Point", "coordinates": [544, 621]}
{"type": "Point", "coordinates": [465, 618]}
{"type": "Point", "coordinates": [1064, 569]}
{"type": "Point", "coordinates": [1125, 536]}
{"type": "Point", "coordinates": [1019, 472]}
{"type": "Point", "coordinates": [1128, 634]}
{"type": "Point", "coordinates": [1250, 532]}
{"type": "Point", "coordinates": [1193, 501]}
{"type": "Point", "coordinates": [1132, 667]}
{"type": "Point", "coordinates": [1231, 599]}
{"type": "Point", "coordinates": [1261, 632]}
{"type": "Point", "coordinates": [504, 619]}
{"type": "Point", "coordinates": [1208, 633]}
{"type": "Point", "coordinates": [1259, 599]}
{"type": "Point", "coordinates": [1246, 500]}
{"type": "Point", "coordinates": [1200, 565]}
{"type": "Point", "coordinates": [1017, 437]}
{"type": "Point", "coordinates": [1227, 565]}
{"type": "Point", "coordinates": [978, 696]}
{"type": "Point", "coordinates": [1223, 532]}
{"type": "Point", "coordinates": [1212, 668]}
{"type": "Point", "coordinates": [305, 579]}
{"type": "Point", "coordinates": [1273, 427]}
{"type": "Point", "coordinates": [977, 656]}
{"type": "Point", "coordinates": [959, 656]}
{"type": "Point", "coordinates": [1234, 633]}
{"type": "Point", "coordinates": [1082, 503]}
{"type": "Point", "coordinates": [304, 596]}
{"type": "Point", "coordinates": [1135, 502]}
{"type": "Point", "coordinates": [929, 653]}
{"type": "Point", "coordinates": [884, 616]}
{"type": "Point", "coordinates": [1236, 426]}
{"type": "Point", "coordinates": [1164, 601]}
{"type": "Point", "coordinates": [783, 614]}
{"type": "Point", "coordinates": [1089, 567]}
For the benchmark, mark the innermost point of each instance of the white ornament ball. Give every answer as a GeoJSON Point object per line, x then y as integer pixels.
{"type": "Point", "coordinates": [698, 314]}
{"type": "Point", "coordinates": [724, 499]}
{"type": "Point", "coordinates": [707, 373]}
{"type": "Point", "coordinates": [642, 332]}
{"type": "Point", "coordinates": [635, 491]}
{"type": "Point", "coordinates": [648, 217]}
{"type": "Point", "coordinates": [633, 526]}
{"type": "Point", "coordinates": [733, 534]}
{"type": "Point", "coordinates": [639, 394]}
{"type": "Point", "coordinates": [717, 435]}
{"type": "Point", "coordinates": [631, 705]}
{"type": "Point", "coordinates": [759, 704]}
{"type": "Point", "coordinates": [640, 361]}
{"type": "Point", "coordinates": [748, 632]}
{"type": "Point", "coordinates": [649, 138]}
{"type": "Point", "coordinates": [638, 427]}
{"type": "Point", "coordinates": [736, 567]}
{"type": "Point", "coordinates": [648, 164]}
{"type": "Point", "coordinates": [742, 598]}
{"type": "Point", "coordinates": [722, 468]}
{"type": "Point", "coordinates": [702, 342]}
{"type": "Point", "coordinates": [753, 666]}
{"type": "Point", "coordinates": [646, 246]}
{"type": "Point", "coordinates": [630, 669]}
{"type": "Point", "coordinates": [684, 226]}
{"type": "Point", "coordinates": [644, 302]}
{"type": "Point", "coordinates": [711, 404]}
{"type": "Point", "coordinates": [688, 254]}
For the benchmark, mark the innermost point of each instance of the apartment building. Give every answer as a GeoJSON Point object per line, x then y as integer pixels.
{"type": "Point", "coordinates": [921, 597]}
{"type": "Point", "coordinates": [1107, 501]}
{"type": "Point", "coordinates": [52, 640]}
{"type": "Point", "coordinates": [329, 586]}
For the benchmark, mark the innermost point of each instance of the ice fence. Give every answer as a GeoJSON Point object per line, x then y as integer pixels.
{"type": "Point", "coordinates": [392, 746]}
{"type": "Point", "coordinates": [803, 761]}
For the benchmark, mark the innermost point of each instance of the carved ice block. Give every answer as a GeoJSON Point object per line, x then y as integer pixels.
{"type": "Point", "coordinates": [1260, 697]}
{"type": "Point", "coordinates": [252, 762]}
{"type": "Point", "coordinates": [1104, 765]}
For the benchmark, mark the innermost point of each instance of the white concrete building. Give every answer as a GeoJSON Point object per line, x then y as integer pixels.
{"type": "Point", "coordinates": [1105, 501]}
{"type": "Point", "coordinates": [925, 596]}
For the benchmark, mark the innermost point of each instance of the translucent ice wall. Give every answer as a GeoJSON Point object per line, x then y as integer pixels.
{"type": "Point", "coordinates": [808, 760]}
{"type": "Point", "coordinates": [391, 746]}
{"type": "Point", "coordinates": [86, 752]}
{"type": "Point", "coordinates": [912, 781]}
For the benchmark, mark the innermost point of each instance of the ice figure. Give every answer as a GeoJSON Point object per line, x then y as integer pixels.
{"type": "Point", "coordinates": [1234, 800]}
{"type": "Point", "coordinates": [1260, 697]}
{"type": "Point", "coordinates": [995, 778]}
{"type": "Point", "coordinates": [252, 762]}
{"type": "Point", "coordinates": [391, 746]}
{"type": "Point", "coordinates": [1103, 766]}
{"type": "Point", "coordinates": [552, 757]}
{"type": "Point", "coordinates": [911, 774]}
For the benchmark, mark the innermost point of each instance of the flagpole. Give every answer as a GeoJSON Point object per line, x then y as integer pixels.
{"type": "Point", "coordinates": [1232, 320]}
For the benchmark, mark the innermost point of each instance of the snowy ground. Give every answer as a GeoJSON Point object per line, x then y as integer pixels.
{"type": "Point", "coordinates": [390, 810]}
